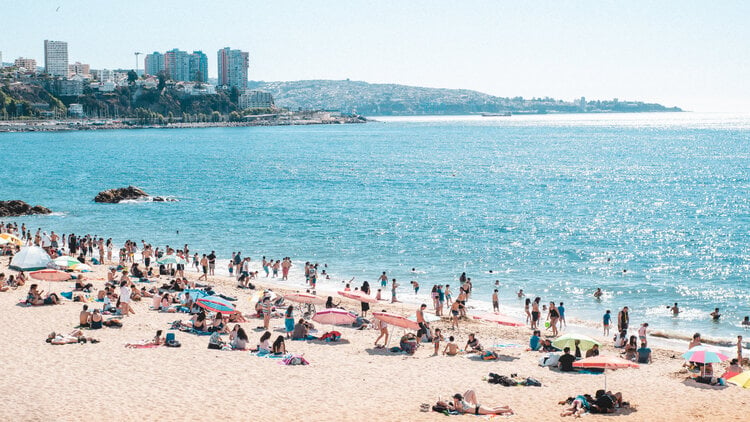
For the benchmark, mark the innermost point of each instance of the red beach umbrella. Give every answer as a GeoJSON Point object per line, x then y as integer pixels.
{"type": "Point", "coordinates": [396, 320]}
{"type": "Point", "coordinates": [360, 296]}
{"type": "Point", "coordinates": [50, 275]}
{"type": "Point", "coordinates": [305, 298]}
{"type": "Point", "coordinates": [499, 318]}
{"type": "Point", "coordinates": [334, 316]}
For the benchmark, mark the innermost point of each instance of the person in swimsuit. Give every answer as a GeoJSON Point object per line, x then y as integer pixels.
{"type": "Point", "coordinates": [535, 313]}
{"type": "Point", "coordinates": [448, 296]}
{"type": "Point", "coordinates": [468, 404]}
{"type": "Point", "coordinates": [553, 315]}
{"type": "Point", "coordinates": [454, 315]}
{"type": "Point", "coordinates": [383, 280]}
{"type": "Point", "coordinates": [96, 320]}
{"type": "Point", "coordinates": [289, 321]}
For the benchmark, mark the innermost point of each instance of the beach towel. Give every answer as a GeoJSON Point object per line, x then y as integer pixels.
{"type": "Point", "coordinates": [331, 336]}
{"type": "Point", "coordinates": [142, 346]}
{"type": "Point", "coordinates": [294, 360]}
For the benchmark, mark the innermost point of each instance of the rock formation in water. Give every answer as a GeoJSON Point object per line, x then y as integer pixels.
{"type": "Point", "coordinates": [17, 208]}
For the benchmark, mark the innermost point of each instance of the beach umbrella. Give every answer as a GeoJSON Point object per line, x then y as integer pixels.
{"type": "Point", "coordinates": [428, 317]}
{"type": "Point", "coordinates": [499, 319]}
{"type": "Point", "coordinates": [50, 275]}
{"type": "Point", "coordinates": [743, 379]}
{"type": "Point", "coordinates": [569, 340]}
{"type": "Point", "coordinates": [80, 267]}
{"type": "Point", "coordinates": [704, 354]}
{"type": "Point", "coordinates": [396, 320]}
{"type": "Point", "coordinates": [216, 304]}
{"type": "Point", "coordinates": [30, 258]}
{"type": "Point", "coordinates": [9, 238]}
{"type": "Point", "coordinates": [66, 261]}
{"type": "Point", "coordinates": [334, 316]}
{"type": "Point", "coordinates": [171, 259]}
{"type": "Point", "coordinates": [358, 295]}
{"type": "Point", "coordinates": [605, 362]}
{"type": "Point", "coordinates": [305, 298]}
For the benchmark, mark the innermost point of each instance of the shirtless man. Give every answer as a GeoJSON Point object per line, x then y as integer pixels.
{"type": "Point", "coordinates": [83, 318]}
{"type": "Point", "coordinates": [675, 310]}
{"type": "Point", "coordinates": [451, 348]}
{"type": "Point", "coordinates": [286, 264]}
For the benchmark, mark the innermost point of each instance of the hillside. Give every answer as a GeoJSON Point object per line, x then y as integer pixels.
{"type": "Point", "coordinates": [392, 99]}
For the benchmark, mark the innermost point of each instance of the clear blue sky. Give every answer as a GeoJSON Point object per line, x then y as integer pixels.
{"type": "Point", "coordinates": [692, 54]}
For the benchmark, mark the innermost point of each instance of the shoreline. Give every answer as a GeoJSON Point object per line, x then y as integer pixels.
{"type": "Point", "coordinates": [67, 125]}
{"type": "Point", "coordinates": [387, 386]}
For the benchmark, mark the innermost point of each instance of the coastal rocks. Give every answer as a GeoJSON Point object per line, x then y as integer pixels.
{"type": "Point", "coordinates": [114, 196]}
{"type": "Point", "coordinates": [17, 208]}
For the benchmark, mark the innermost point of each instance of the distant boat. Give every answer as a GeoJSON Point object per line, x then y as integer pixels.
{"type": "Point", "coordinates": [504, 114]}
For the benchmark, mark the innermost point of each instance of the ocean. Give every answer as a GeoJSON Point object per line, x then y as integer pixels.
{"type": "Point", "coordinates": [652, 208]}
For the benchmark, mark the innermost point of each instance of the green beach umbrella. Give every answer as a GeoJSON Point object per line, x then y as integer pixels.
{"type": "Point", "coordinates": [171, 259]}
{"type": "Point", "coordinates": [569, 340]}
{"type": "Point", "coordinates": [66, 261]}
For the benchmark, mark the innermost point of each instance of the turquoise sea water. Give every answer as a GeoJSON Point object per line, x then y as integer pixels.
{"type": "Point", "coordinates": [556, 205]}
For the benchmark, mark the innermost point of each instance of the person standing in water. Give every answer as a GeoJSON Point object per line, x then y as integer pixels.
{"type": "Point", "coordinates": [675, 310]}
{"type": "Point", "coordinates": [383, 280]}
{"type": "Point", "coordinates": [495, 302]}
{"type": "Point", "coordinates": [394, 286]}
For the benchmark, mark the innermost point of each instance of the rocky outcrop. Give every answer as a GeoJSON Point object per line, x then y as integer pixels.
{"type": "Point", "coordinates": [113, 196]}
{"type": "Point", "coordinates": [17, 208]}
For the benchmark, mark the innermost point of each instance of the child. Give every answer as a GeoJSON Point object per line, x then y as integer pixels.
{"type": "Point", "coordinates": [606, 319]}
{"type": "Point", "coordinates": [495, 302]}
{"type": "Point", "coordinates": [436, 340]}
{"type": "Point", "coordinates": [415, 285]}
{"type": "Point", "coordinates": [231, 268]}
{"type": "Point", "coordinates": [451, 348]}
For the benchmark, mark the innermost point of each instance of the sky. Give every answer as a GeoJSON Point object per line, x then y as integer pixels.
{"type": "Point", "coordinates": [691, 54]}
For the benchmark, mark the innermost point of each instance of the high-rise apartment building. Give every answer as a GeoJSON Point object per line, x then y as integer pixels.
{"type": "Point", "coordinates": [233, 65]}
{"type": "Point", "coordinates": [56, 58]}
{"type": "Point", "coordinates": [154, 63]}
{"type": "Point", "coordinates": [178, 65]}
{"type": "Point", "coordinates": [198, 67]}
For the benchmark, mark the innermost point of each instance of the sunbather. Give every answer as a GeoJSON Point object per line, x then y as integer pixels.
{"type": "Point", "coordinates": [468, 404]}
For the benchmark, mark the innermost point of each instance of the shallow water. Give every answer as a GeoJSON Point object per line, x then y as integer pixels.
{"type": "Point", "coordinates": [556, 205]}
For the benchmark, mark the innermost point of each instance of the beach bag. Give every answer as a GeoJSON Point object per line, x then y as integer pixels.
{"type": "Point", "coordinates": [550, 359]}
{"type": "Point", "coordinates": [489, 355]}
{"type": "Point", "coordinates": [532, 382]}
{"type": "Point", "coordinates": [440, 408]}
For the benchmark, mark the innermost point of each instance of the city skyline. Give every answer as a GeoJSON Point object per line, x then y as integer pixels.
{"type": "Point", "coordinates": [676, 53]}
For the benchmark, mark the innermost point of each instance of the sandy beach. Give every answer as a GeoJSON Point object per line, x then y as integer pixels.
{"type": "Point", "coordinates": [348, 380]}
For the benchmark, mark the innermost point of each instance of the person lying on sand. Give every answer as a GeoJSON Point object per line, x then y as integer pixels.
{"type": "Point", "coordinates": [75, 336]}
{"type": "Point", "coordinates": [468, 404]}
{"type": "Point", "coordinates": [158, 340]}
{"type": "Point", "coordinates": [578, 405]}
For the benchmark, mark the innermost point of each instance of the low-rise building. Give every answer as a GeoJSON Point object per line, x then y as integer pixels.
{"type": "Point", "coordinates": [68, 88]}
{"type": "Point", "coordinates": [255, 99]}
{"type": "Point", "coordinates": [28, 65]}
{"type": "Point", "coordinates": [75, 110]}
{"type": "Point", "coordinates": [80, 69]}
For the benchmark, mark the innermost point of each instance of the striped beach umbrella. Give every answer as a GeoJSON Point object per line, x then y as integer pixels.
{"type": "Point", "coordinates": [216, 304]}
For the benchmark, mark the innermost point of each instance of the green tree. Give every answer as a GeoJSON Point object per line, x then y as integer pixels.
{"type": "Point", "coordinates": [235, 117]}
{"type": "Point", "coordinates": [215, 116]}
{"type": "Point", "coordinates": [162, 80]}
{"type": "Point", "coordinates": [234, 94]}
{"type": "Point", "coordinates": [132, 76]}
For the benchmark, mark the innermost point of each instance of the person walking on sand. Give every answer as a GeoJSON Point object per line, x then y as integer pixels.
{"type": "Point", "coordinates": [454, 315]}
{"type": "Point", "coordinates": [642, 333]}
{"type": "Point", "coordinates": [495, 302]}
{"type": "Point", "coordinates": [553, 316]}
{"type": "Point", "coordinates": [623, 319]}
{"type": "Point", "coordinates": [394, 286]}
{"type": "Point", "coordinates": [383, 327]}
{"type": "Point", "coordinates": [561, 310]}
{"type": "Point", "coordinates": [204, 268]}
{"type": "Point", "coordinates": [606, 320]}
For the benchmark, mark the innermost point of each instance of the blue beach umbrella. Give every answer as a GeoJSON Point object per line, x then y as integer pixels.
{"type": "Point", "coordinates": [216, 304]}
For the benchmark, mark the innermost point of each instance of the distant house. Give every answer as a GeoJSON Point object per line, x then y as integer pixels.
{"type": "Point", "coordinates": [75, 110]}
